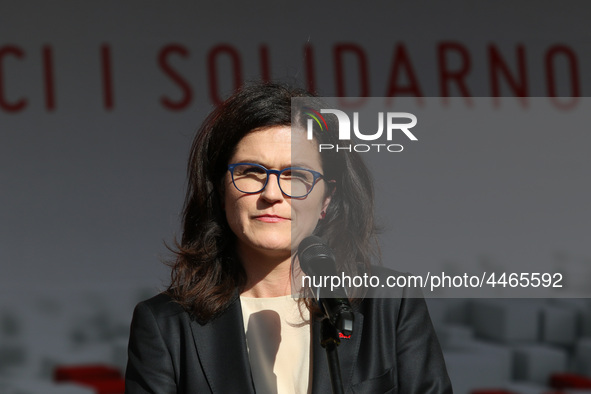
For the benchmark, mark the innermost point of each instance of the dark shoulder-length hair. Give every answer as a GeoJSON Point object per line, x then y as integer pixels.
{"type": "Point", "coordinates": [206, 272]}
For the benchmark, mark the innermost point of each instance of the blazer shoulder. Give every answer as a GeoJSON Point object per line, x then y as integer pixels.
{"type": "Point", "coordinates": [161, 306]}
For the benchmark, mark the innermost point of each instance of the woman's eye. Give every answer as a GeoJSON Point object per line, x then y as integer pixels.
{"type": "Point", "coordinates": [251, 170]}
{"type": "Point", "coordinates": [300, 175]}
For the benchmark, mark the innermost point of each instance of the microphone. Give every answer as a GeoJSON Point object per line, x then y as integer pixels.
{"type": "Point", "coordinates": [317, 259]}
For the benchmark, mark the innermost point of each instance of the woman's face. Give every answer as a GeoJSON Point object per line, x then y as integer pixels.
{"type": "Point", "coordinates": [269, 221]}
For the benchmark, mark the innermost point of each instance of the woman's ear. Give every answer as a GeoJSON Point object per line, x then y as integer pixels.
{"type": "Point", "coordinates": [326, 203]}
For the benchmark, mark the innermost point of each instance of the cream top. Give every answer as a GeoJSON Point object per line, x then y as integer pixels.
{"type": "Point", "coordinates": [278, 344]}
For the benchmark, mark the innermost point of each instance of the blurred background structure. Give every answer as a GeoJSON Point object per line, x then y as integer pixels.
{"type": "Point", "coordinates": [99, 102]}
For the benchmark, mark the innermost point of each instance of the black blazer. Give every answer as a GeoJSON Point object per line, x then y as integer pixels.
{"type": "Point", "coordinates": [393, 349]}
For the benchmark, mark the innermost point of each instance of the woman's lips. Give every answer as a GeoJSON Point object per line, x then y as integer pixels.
{"type": "Point", "coordinates": [270, 218]}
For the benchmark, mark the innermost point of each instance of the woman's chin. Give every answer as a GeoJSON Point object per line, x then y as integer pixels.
{"type": "Point", "coordinates": [270, 246]}
{"type": "Point", "coordinates": [276, 248]}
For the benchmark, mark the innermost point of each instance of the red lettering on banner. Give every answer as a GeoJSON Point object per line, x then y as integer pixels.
{"type": "Point", "coordinates": [446, 76]}
{"type": "Point", "coordinates": [497, 65]}
{"type": "Point", "coordinates": [573, 69]}
{"type": "Point", "coordinates": [354, 49]}
{"type": "Point", "coordinates": [48, 78]}
{"type": "Point", "coordinates": [265, 63]}
{"type": "Point", "coordinates": [214, 93]}
{"type": "Point", "coordinates": [107, 75]}
{"type": "Point", "coordinates": [507, 75]}
{"type": "Point", "coordinates": [401, 62]}
{"type": "Point", "coordinates": [310, 74]}
{"type": "Point", "coordinates": [176, 77]}
{"type": "Point", "coordinates": [15, 106]}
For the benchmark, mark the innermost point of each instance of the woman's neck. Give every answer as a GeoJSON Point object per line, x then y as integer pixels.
{"type": "Point", "coordinates": [267, 275]}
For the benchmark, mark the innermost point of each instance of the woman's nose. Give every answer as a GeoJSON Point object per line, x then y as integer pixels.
{"type": "Point", "coordinates": [272, 192]}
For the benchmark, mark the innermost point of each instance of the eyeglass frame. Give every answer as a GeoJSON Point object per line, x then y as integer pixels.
{"type": "Point", "coordinates": [317, 176]}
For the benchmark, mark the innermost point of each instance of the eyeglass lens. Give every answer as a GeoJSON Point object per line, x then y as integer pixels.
{"type": "Point", "coordinates": [250, 178]}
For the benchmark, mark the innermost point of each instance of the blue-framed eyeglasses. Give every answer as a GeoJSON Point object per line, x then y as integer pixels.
{"type": "Point", "coordinates": [295, 182]}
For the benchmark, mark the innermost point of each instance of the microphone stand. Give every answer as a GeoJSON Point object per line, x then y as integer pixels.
{"type": "Point", "coordinates": [316, 258]}
{"type": "Point", "coordinates": [329, 339]}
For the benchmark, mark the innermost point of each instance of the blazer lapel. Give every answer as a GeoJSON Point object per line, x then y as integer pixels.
{"type": "Point", "coordinates": [221, 346]}
{"type": "Point", "coordinates": [348, 350]}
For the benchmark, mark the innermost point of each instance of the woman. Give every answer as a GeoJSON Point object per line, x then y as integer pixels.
{"type": "Point", "coordinates": [227, 323]}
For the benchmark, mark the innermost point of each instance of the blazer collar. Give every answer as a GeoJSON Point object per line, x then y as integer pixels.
{"type": "Point", "coordinates": [221, 346]}
{"type": "Point", "coordinates": [347, 350]}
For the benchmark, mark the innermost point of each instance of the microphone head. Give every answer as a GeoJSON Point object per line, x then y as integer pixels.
{"type": "Point", "coordinates": [316, 258]}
